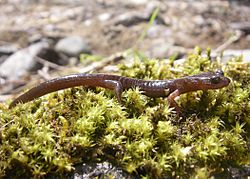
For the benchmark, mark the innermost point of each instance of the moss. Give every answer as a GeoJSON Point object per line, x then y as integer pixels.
{"type": "Point", "coordinates": [143, 136]}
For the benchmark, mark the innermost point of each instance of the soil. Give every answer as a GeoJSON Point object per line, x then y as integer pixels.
{"type": "Point", "coordinates": [116, 25]}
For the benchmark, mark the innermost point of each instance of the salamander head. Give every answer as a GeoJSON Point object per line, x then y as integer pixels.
{"type": "Point", "coordinates": [202, 81]}
{"type": "Point", "coordinates": [211, 80]}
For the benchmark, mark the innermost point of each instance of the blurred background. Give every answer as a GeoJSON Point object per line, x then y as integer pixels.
{"type": "Point", "coordinates": [37, 36]}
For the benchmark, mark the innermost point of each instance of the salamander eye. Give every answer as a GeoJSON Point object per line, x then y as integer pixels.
{"type": "Point", "coordinates": [215, 80]}
{"type": "Point", "coordinates": [219, 72]}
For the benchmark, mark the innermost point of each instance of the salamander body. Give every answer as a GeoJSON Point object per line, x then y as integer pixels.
{"type": "Point", "coordinates": [152, 88]}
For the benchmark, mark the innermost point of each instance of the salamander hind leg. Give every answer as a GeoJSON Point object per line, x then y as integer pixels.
{"type": "Point", "coordinates": [116, 86]}
{"type": "Point", "coordinates": [172, 103]}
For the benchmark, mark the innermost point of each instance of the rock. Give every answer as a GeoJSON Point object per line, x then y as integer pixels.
{"type": "Point", "coordinates": [51, 55]}
{"type": "Point", "coordinates": [234, 172]}
{"type": "Point", "coordinates": [8, 49]}
{"type": "Point", "coordinates": [160, 32]}
{"type": "Point", "coordinates": [3, 58]}
{"type": "Point", "coordinates": [136, 2]}
{"type": "Point", "coordinates": [234, 53]}
{"type": "Point", "coordinates": [199, 20]}
{"type": "Point", "coordinates": [104, 16]}
{"type": "Point", "coordinates": [131, 18]}
{"type": "Point", "coordinates": [99, 170]}
{"type": "Point", "coordinates": [73, 46]}
{"type": "Point", "coordinates": [22, 61]}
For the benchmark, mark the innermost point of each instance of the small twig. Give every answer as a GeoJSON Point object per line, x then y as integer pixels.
{"type": "Point", "coordinates": [44, 73]}
{"type": "Point", "coordinates": [101, 64]}
{"type": "Point", "coordinates": [49, 64]}
{"type": "Point", "coordinates": [231, 40]}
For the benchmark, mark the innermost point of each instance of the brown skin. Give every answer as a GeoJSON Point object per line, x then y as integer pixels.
{"type": "Point", "coordinates": [152, 88]}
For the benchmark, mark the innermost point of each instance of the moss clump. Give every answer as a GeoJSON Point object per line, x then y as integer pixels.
{"type": "Point", "coordinates": [143, 136]}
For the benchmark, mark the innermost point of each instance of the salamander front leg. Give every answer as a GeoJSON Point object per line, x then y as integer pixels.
{"type": "Point", "coordinates": [116, 86]}
{"type": "Point", "coordinates": [171, 100]}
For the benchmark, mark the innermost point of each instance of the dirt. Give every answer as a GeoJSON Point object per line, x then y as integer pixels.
{"type": "Point", "coordinates": [179, 23]}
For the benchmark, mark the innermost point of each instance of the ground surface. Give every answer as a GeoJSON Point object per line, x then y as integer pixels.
{"type": "Point", "coordinates": [115, 25]}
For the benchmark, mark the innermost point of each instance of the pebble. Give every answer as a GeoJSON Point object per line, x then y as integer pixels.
{"type": "Point", "coordinates": [73, 46]}
{"type": "Point", "coordinates": [104, 16]}
{"type": "Point", "coordinates": [131, 18]}
{"type": "Point", "coordinates": [22, 61]}
{"type": "Point", "coordinates": [99, 170]}
{"type": "Point", "coordinates": [137, 2]}
{"type": "Point", "coordinates": [8, 49]}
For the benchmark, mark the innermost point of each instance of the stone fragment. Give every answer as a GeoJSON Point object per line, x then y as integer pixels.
{"type": "Point", "coordinates": [73, 46]}
{"type": "Point", "coordinates": [22, 61]}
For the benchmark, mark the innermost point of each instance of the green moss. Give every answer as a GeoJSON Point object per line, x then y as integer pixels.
{"type": "Point", "coordinates": [144, 136]}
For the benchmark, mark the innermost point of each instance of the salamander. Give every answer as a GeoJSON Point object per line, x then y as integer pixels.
{"type": "Point", "coordinates": [152, 88]}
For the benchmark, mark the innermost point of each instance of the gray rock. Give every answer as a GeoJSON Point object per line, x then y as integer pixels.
{"type": "Point", "coordinates": [104, 17]}
{"type": "Point", "coordinates": [136, 2]}
{"type": "Point", "coordinates": [22, 61]}
{"type": "Point", "coordinates": [3, 58]}
{"type": "Point", "coordinates": [234, 53]}
{"type": "Point", "coordinates": [100, 170]}
{"type": "Point", "coordinates": [131, 18]}
{"type": "Point", "coordinates": [72, 46]}
{"type": "Point", "coordinates": [8, 49]}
